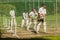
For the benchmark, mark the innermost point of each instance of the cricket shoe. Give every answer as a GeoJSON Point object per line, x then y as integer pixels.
{"type": "Point", "coordinates": [28, 30]}
{"type": "Point", "coordinates": [9, 30]}
{"type": "Point", "coordinates": [15, 35]}
{"type": "Point", "coordinates": [37, 32]}
{"type": "Point", "coordinates": [45, 32]}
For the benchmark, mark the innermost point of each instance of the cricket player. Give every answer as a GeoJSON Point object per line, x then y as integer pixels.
{"type": "Point", "coordinates": [25, 18]}
{"type": "Point", "coordinates": [13, 19]}
{"type": "Point", "coordinates": [41, 17]}
{"type": "Point", "coordinates": [32, 17]}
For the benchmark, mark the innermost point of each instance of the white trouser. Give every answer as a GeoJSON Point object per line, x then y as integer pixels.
{"type": "Point", "coordinates": [27, 22]}
{"type": "Point", "coordinates": [38, 26]}
{"type": "Point", "coordinates": [29, 25]}
{"type": "Point", "coordinates": [35, 24]}
{"type": "Point", "coordinates": [44, 24]}
{"type": "Point", "coordinates": [13, 22]}
{"type": "Point", "coordinates": [23, 22]}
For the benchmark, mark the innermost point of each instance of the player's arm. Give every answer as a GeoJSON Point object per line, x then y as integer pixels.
{"type": "Point", "coordinates": [30, 15]}
{"type": "Point", "coordinates": [10, 13]}
{"type": "Point", "coordinates": [38, 14]}
{"type": "Point", "coordinates": [45, 13]}
{"type": "Point", "coordinates": [24, 15]}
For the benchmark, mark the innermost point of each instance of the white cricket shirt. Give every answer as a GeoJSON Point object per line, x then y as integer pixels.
{"type": "Point", "coordinates": [42, 11]}
{"type": "Point", "coordinates": [12, 13]}
{"type": "Point", "coordinates": [32, 14]}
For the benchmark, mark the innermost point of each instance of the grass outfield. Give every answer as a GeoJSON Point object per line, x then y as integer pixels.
{"type": "Point", "coordinates": [39, 38]}
{"type": "Point", "coordinates": [45, 38]}
{"type": "Point", "coordinates": [53, 29]}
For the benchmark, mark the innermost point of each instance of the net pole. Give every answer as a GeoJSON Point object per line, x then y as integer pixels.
{"type": "Point", "coordinates": [25, 5]}
{"type": "Point", "coordinates": [29, 6]}
{"type": "Point", "coordinates": [38, 4]}
{"type": "Point", "coordinates": [56, 14]}
{"type": "Point", "coordinates": [33, 3]}
{"type": "Point", "coordinates": [43, 1]}
{"type": "Point", "coordinates": [54, 9]}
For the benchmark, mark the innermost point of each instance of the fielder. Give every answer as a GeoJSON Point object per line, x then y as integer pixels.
{"type": "Point", "coordinates": [13, 19]}
{"type": "Point", "coordinates": [25, 19]}
{"type": "Point", "coordinates": [32, 17]}
{"type": "Point", "coordinates": [41, 17]}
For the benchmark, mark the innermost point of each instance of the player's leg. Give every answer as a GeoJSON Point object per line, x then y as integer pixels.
{"type": "Point", "coordinates": [35, 23]}
{"type": "Point", "coordinates": [23, 21]}
{"type": "Point", "coordinates": [15, 23]}
{"type": "Point", "coordinates": [27, 22]}
{"type": "Point", "coordinates": [38, 27]}
{"type": "Point", "coordinates": [29, 25]}
{"type": "Point", "coordinates": [11, 23]}
{"type": "Point", "coordinates": [44, 24]}
{"type": "Point", "coordinates": [10, 30]}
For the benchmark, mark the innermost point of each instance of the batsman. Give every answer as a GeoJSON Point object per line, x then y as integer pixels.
{"type": "Point", "coordinates": [41, 17]}
{"type": "Point", "coordinates": [13, 18]}
{"type": "Point", "coordinates": [32, 18]}
{"type": "Point", "coordinates": [24, 19]}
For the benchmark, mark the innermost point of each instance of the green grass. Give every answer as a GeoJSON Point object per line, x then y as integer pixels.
{"type": "Point", "coordinates": [39, 38]}
{"type": "Point", "coordinates": [45, 38]}
{"type": "Point", "coordinates": [53, 38]}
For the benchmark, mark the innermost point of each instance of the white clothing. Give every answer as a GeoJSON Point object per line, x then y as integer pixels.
{"type": "Point", "coordinates": [12, 13]}
{"type": "Point", "coordinates": [42, 11]}
{"type": "Point", "coordinates": [32, 14]}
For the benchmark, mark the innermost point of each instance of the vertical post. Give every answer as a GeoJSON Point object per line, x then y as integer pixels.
{"type": "Point", "coordinates": [56, 14]}
{"type": "Point", "coordinates": [38, 4]}
{"type": "Point", "coordinates": [9, 23]}
{"type": "Point", "coordinates": [54, 9]}
{"type": "Point", "coordinates": [33, 4]}
{"type": "Point", "coordinates": [29, 6]}
{"type": "Point", "coordinates": [43, 1]}
{"type": "Point", "coordinates": [4, 21]}
{"type": "Point", "coordinates": [25, 5]}
{"type": "Point", "coordinates": [54, 5]}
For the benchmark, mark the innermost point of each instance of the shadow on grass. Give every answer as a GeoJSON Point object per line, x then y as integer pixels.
{"type": "Point", "coordinates": [24, 39]}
